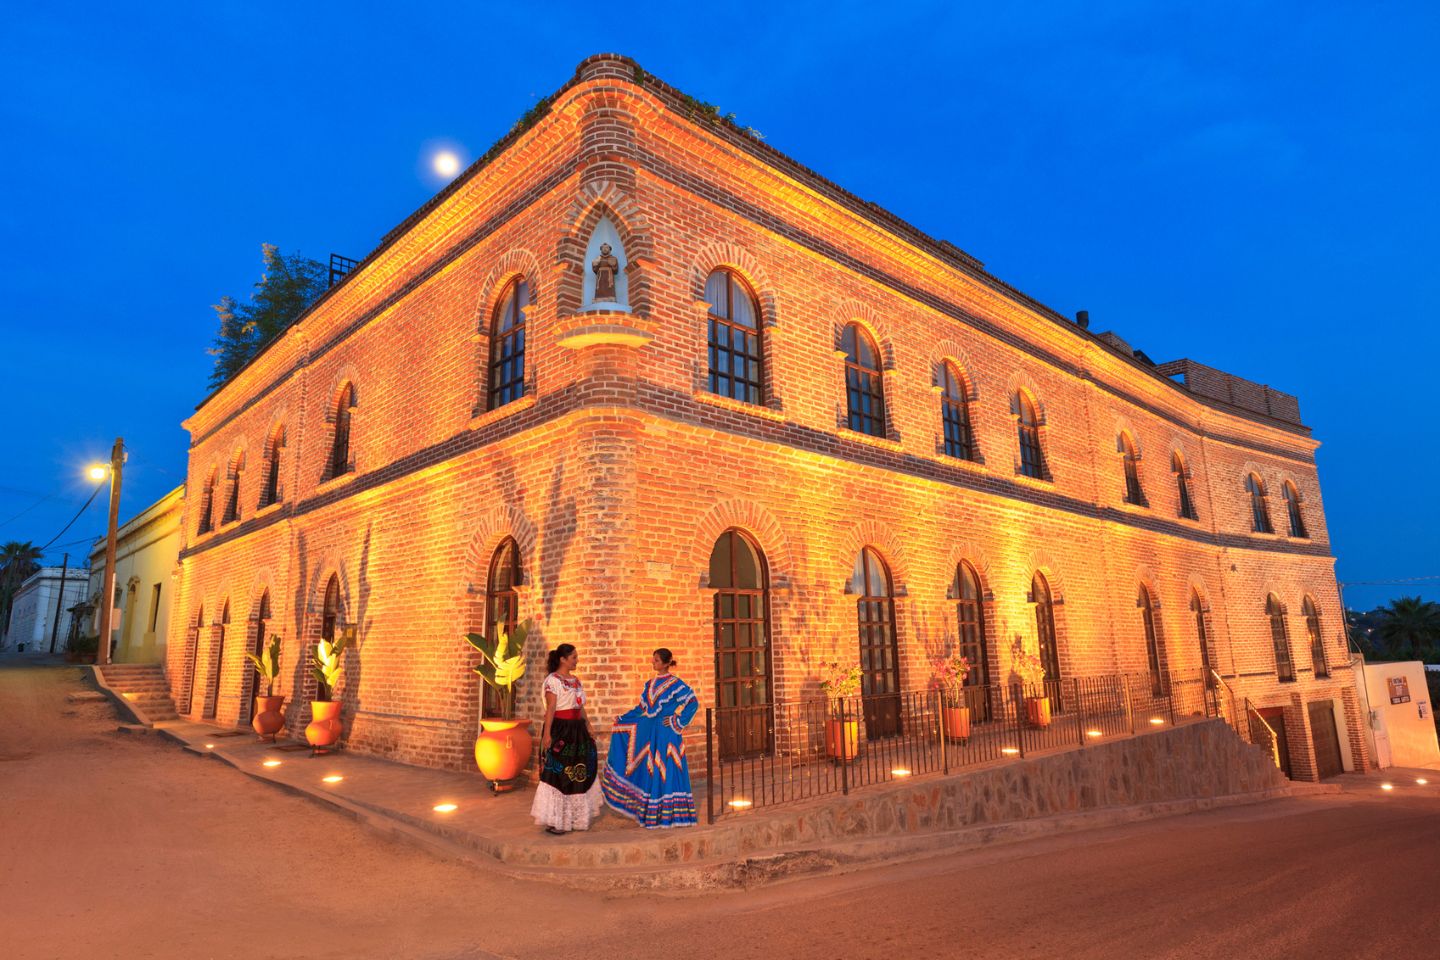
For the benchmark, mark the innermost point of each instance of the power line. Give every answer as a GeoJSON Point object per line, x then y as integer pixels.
{"type": "Point", "coordinates": [51, 495]}
{"type": "Point", "coordinates": [93, 495]}
{"type": "Point", "coordinates": [1386, 583]}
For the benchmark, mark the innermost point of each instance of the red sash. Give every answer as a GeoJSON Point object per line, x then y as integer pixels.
{"type": "Point", "coordinates": [567, 714]}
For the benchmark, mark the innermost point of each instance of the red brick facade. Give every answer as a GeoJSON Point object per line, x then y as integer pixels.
{"type": "Point", "coordinates": [619, 469]}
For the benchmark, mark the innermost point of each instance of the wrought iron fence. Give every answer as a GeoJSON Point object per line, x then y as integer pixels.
{"type": "Point", "coordinates": [780, 753]}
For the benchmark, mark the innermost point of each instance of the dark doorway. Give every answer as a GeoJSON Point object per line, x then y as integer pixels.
{"type": "Point", "coordinates": [1275, 716]}
{"type": "Point", "coordinates": [879, 652]}
{"type": "Point", "coordinates": [742, 646]}
{"type": "Point", "coordinates": [1326, 739]}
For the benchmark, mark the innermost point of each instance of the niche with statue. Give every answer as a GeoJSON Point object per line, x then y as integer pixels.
{"type": "Point", "coordinates": [606, 286]}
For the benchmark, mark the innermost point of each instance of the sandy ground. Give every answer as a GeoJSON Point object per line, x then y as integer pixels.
{"type": "Point", "coordinates": [118, 846]}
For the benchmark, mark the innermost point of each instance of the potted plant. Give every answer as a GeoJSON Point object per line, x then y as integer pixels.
{"type": "Point", "coordinates": [268, 719]}
{"type": "Point", "coordinates": [324, 728]}
{"type": "Point", "coordinates": [842, 733]}
{"type": "Point", "coordinates": [503, 747]}
{"type": "Point", "coordinates": [947, 676]}
{"type": "Point", "coordinates": [82, 649]}
{"type": "Point", "coordinates": [1031, 671]}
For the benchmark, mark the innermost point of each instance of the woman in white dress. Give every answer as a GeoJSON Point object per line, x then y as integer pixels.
{"type": "Point", "coordinates": [568, 796]}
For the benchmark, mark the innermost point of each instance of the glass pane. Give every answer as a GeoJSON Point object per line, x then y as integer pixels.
{"type": "Point", "coordinates": [727, 666]}
{"type": "Point", "coordinates": [716, 292]}
{"type": "Point", "coordinates": [743, 308]}
{"type": "Point", "coordinates": [727, 635]}
{"type": "Point", "coordinates": [720, 562]}
{"type": "Point", "coordinates": [747, 565]}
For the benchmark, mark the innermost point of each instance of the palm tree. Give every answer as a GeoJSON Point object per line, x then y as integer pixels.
{"type": "Point", "coordinates": [17, 562]}
{"type": "Point", "coordinates": [1409, 625]}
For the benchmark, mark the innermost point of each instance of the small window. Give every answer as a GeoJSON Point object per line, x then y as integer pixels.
{"type": "Point", "coordinates": [1197, 607]}
{"type": "Point", "coordinates": [340, 447]}
{"type": "Point", "coordinates": [864, 390]}
{"type": "Point", "coordinates": [502, 605]}
{"type": "Point", "coordinates": [1032, 456]}
{"type": "Point", "coordinates": [1317, 644]}
{"type": "Point", "coordinates": [207, 507]}
{"type": "Point", "coordinates": [955, 414]}
{"type": "Point", "coordinates": [232, 502]}
{"type": "Point", "coordinates": [1045, 626]}
{"type": "Point", "coordinates": [1152, 641]}
{"type": "Point", "coordinates": [270, 489]}
{"type": "Point", "coordinates": [736, 364]}
{"type": "Point", "coordinates": [1182, 482]}
{"type": "Point", "coordinates": [1259, 513]}
{"type": "Point", "coordinates": [1284, 665]}
{"type": "Point", "coordinates": [330, 613]}
{"type": "Point", "coordinates": [1131, 462]}
{"type": "Point", "coordinates": [507, 346]}
{"type": "Point", "coordinates": [1292, 507]}
{"type": "Point", "coordinates": [154, 606]}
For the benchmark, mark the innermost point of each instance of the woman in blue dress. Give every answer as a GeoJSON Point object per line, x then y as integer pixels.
{"type": "Point", "coordinates": [646, 776]}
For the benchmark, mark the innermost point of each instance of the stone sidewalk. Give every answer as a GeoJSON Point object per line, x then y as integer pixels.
{"type": "Point", "coordinates": [1140, 778]}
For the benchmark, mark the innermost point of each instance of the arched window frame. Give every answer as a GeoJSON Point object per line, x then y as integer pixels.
{"type": "Point", "coordinates": [740, 616]}
{"type": "Point", "coordinates": [1292, 510]}
{"type": "Point", "coordinates": [1182, 482]}
{"type": "Point", "coordinates": [194, 656]}
{"type": "Point", "coordinates": [968, 593]}
{"type": "Point", "coordinates": [1130, 462]}
{"type": "Point", "coordinates": [232, 499]}
{"type": "Point", "coordinates": [864, 382]}
{"type": "Point", "coordinates": [508, 335]}
{"type": "Point", "coordinates": [502, 605]}
{"type": "Point", "coordinates": [1154, 650]}
{"type": "Point", "coordinates": [879, 647]}
{"type": "Point", "coordinates": [260, 640]}
{"type": "Point", "coordinates": [1259, 510]}
{"type": "Point", "coordinates": [1280, 639]}
{"type": "Point", "coordinates": [734, 350]}
{"type": "Point", "coordinates": [270, 491]}
{"type": "Point", "coordinates": [1047, 638]}
{"type": "Point", "coordinates": [1027, 426]}
{"type": "Point", "coordinates": [1202, 636]}
{"type": "Point", "coordinates": [1318, 659]}
{"type": "Point", "coordinates": [207, 505]}
{"type": "Point", "coordinates": [340, 461]}
{"type": "Point", "coordinates": [958, 433]}
{"type": "Point", "coordinates": [212, 691]}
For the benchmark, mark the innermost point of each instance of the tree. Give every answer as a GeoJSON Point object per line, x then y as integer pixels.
{"type": "Point", "coordinates": [1409, 626]}
{"type": "Point", "coordinates": [17, 562]}
{"type": "Point", "coordinates": [287, 288]}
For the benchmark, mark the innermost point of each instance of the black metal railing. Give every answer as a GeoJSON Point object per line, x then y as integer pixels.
{"type": "Point", "coordinates": [781, 753]}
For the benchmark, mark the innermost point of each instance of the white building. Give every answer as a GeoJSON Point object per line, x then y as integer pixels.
{"type": "Point", "coordinates": [32, 624]}
{"type": "Point", "coordinates": [147, 549]}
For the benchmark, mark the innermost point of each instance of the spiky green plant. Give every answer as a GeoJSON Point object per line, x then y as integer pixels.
{"type": "Point", "coordinates": [502, 662]}
{"type": "Point", "coordinates": [325, 666]}
{"type": "Point", "coordinates": [267, 665]}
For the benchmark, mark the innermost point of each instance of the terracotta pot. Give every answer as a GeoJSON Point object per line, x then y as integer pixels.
{"type": "Point", "coordinates": [268, 718]}
{"type": "Point", "coordinates": [503, 748]}
{"type": "Point", "coordinates": [957, 722]}
{"type": "Point", "coordinates": [324, 728]}
{"type": "Point", "coordinates": [833, 738]}
{"type": "Point", "coordinates": [1037, 711]}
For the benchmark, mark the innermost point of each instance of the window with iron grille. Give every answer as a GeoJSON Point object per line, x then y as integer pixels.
{"type": "Point", "coordinates": [340, 447]}
{"type": "Point", "coordinates": [955, 414]}
{"type": "Point", "coordinates": [864, 391]}
{"type": "Point", "coordinates": [736, 363]}
{"type": "Point", "coordinates": [1284, 665]}
{"type": "Point", "coordinates": [1259, 514]}
{"type": "Point", "coordinates": [1317, 644]}
{"type": "Point", "coordinates": [1292, 507]}
{"type": "Point", "coordinates": [507, 345]}
{"type": "Point", "coordinates": [502, 606]}
{"type": "Point", "coordinates": [1131, 462]}
{"type": "Point", "coordinates": [1032, 456]}
{"type": "Point", "coordinates": [1187, 506]}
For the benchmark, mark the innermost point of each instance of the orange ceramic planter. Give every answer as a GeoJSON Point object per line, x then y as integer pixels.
{"type": "Point", "coordinates": [957, 722]}
{"type": "Point", "coordinates": [1037, 711]}
{"type": "Point", "coordinates": [833, 738]}
{"type": "Point", "coordinates": [503, 748]}
{"type": "Point", "coordinates": [324, 729]}
{"type": "Point", "coordinates": [268, 718]}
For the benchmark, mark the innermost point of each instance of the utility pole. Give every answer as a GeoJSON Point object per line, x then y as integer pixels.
{"type": "Point", "coordinates": [107, 584]}
{"type": "Point", "coordinates": [59, 599]}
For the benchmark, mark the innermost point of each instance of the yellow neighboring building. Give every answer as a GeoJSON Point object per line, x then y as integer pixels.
{"type": "Point", "coordinates": [147, 549]}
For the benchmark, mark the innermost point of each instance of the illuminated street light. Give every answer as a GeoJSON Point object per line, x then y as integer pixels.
{"type": "Point", "coordinates": [446, 163]}
{"type": "Point", "coordinates": [98, 472]}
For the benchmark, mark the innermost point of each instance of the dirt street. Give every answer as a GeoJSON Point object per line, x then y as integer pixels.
{"type": "Point", "coordinates": [123, 846]}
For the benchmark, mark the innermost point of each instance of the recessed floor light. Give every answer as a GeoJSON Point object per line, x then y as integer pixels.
{"type": "Point", "coordinates": [333, 778]}
{"type": "Point", "coordinates": [271, 763]}
{"type": "Point", "coordinates": [445, 807]}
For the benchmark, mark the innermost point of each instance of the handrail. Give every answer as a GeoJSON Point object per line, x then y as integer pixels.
{"type": "Point", "coordinates": [1250, 709]}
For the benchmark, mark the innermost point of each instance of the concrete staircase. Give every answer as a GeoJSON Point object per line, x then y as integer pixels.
{"type": "Point", "coordinates": [143, 686]}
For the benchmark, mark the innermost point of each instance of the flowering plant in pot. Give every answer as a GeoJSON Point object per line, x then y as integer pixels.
{"type": "Point", "coordinates": [503, 746]}
{"type": "Point", "coordinates": [842, 734]}
{"type": "Point", "coordinates": [268, 718]}
{"type": "Point", "coordinates": [325, 667]}
{"type": "Point", "coordinates": [1031, 671]}
{"type": "Point", "coordinates": [947, 675]}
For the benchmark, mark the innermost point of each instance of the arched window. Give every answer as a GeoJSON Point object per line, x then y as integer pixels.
{"type": "Point", "coordinates": [193, 655]}
{"type": "Point", "coordinates": [1131, 461]}
{"type": "Point", "coordinates": [955, 414]}
{"type": "Point", "coordinates": [212, 692]}
{"type": "Point", "coordinates": [262, 640]}
{"type": "Point", "coordinates": [1045, 626]}
{"type": "Point", "coordinates": [207, 506]}
{"type": "Point", "coordinates": [736, 363]}
{"type": "Point", "coordinates": [1182, 481]}
{"type": "Point", "coordinates": [1284, 666]}
{"type": "Point", "coordinates": [1197, 607]}
{"type": "Point", "coordinates": [270, 488]}
{"type": "Point", "coordinates": [502, 606]}
{"type": "Point", "coordinates": [1027, 422]}
{"type": "Point", "coordinates": [879, 652]}
{"type": "Point", "coordinates": [742, 644]}
{"type": "Point", "coordinates": [1146, 603]}
{"type": "Point", "coordinates": [970, 624]}
{"type": "Point", "coordinates": [1259, 514]}
{"type": "Point", "coordinates": [232, 502]}
{"type": "Point", "coordinates": [330, 618]}
{"type": "Point", "coordinates": [1317, 643]}
{"type": "Point", "coordinates": [340, 446]}
{"type": "Point", "coordinates": [1292, 507]}
{"type": "Point", "coordinates": [507, 345]}
{"type": "Point", "coordinates": [864, 390]}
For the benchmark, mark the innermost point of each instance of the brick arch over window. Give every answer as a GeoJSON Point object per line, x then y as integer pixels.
{"type": "Point", "coordinates": [1182, 474]}
{"type": "Point", "coordinates": [340, 419]}
{"type": "Point", "coordinates": [871, 533]}
{"type": "Point", "coordinates": [597, 200]}
{"type": "Point", "coordinates": [867, 409]}
{"type": "Point", "coordinates": [491, 528]}
{"type": "Point", "coordinates": [756, 522]}
{"type": "Point", "coordinates": [205, 520]}
{"type": "Point", "coordinates": [234, 476]}
{"type": "Point", "coordinates": [732, 256]}
{"type": "Point", "coordinates": [272, 486]}
{"type": "Point", "coordinates": [873, 323]}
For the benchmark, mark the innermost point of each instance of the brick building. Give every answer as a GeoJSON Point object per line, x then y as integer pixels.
{"type": "Point", "coordinates": [771, 424]}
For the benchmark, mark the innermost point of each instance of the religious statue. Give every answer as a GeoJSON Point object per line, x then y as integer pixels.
{"type": "Point", "coordinates": [606, 266]}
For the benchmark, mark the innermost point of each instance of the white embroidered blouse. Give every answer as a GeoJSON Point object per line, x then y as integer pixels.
{"type": "Point", "coordinates": [569, 695]}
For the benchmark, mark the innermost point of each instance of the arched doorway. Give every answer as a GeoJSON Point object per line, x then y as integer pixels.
{"type": "Point", "coordinates": [741, 619]}
{"type": "Point", "coordinates": [251, 686]}
{"type": "Point", "coordinates": [879, 650]}
{"type": "Point", "coordinates": [502, 606]}
{"type": "Point", "coordinates": [194, 658]}
{"type": "Point", "coordinates": [212, 689]}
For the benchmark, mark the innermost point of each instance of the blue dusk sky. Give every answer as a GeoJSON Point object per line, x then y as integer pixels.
{"type": "Point", "coordinates": [1249, 185]}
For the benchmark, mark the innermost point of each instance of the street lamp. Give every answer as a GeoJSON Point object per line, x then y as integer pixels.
{"type": "Point", "coordinates": [107, 582]}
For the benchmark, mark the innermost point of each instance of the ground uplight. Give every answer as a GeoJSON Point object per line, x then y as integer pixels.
{"type": "Point", "coordinates": [445, 808]}
{"type": "Point", "coordinates": [333, 778]}
{"type": "Point", "coordinates": [900, 772]}
{"type": "Point", "coordinates": [1387, 786]}
{"type": "Point", "coordinates": [1421, 780]}
{"type": "Point", "coordinates": [741, 804]}
{"type": "Point", "coordinates": [209, 746]}
{"type": "Point", "coordinates": [1156, 721]}
{"type": "Point", "coordinates": [1093, 733]}
{"type": "Point", "coordinates": [1009, 751]}
{"type": "Point", "coordinates": [271, 763]}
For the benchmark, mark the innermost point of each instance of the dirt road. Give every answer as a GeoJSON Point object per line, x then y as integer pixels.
{"type": "Point", "coordinates": [121, 846]}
